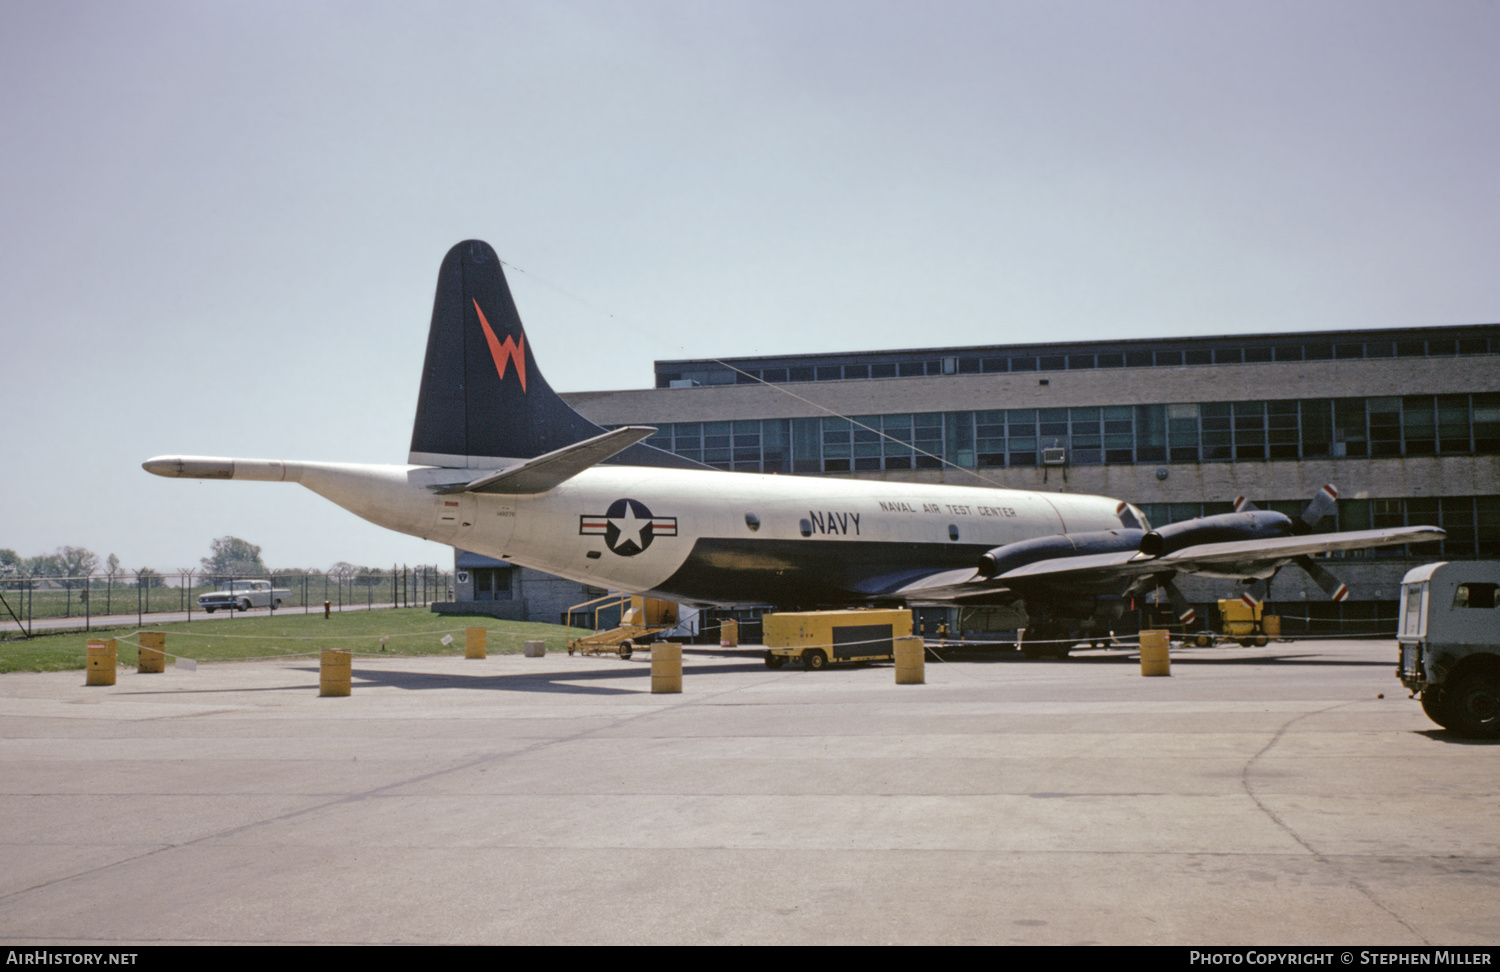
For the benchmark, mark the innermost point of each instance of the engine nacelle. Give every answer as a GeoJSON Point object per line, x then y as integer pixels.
{"type": "Point", "coordinates": [1001, 559]}
{"type": "Point", "coordinates": [1223, 528]}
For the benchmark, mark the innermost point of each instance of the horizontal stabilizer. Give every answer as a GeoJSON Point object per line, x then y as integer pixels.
{"type": "Point", "coordinates": [556, 467]}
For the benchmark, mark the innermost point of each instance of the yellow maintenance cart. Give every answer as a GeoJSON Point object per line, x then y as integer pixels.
{"type": "Point", "coordinates": [640, 618]}
{"type": "Point", "coordinates": [816, 638]}
{"type": "Point", "coordinates": [1242, 623]}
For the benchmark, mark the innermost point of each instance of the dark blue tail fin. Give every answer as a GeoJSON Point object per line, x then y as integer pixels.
{"type": "Point", "coordinates": [483, 398]}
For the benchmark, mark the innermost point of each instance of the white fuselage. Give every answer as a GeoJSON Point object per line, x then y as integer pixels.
{"type": "Point", "coordinates": [705, 535]}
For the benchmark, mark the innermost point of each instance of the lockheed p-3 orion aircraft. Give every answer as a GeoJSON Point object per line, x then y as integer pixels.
{"type": "Point", "coordinates": [500, 465]}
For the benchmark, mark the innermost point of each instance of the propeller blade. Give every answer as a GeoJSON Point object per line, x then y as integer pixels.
{"type": "Point", "coordinates": [1185, 612]}
{"type": "Point", "coordinates": [1254, 594]}
{"type": "Point", "coordinates": [1323, 503]}
{"type": "Point", "coordinates": [1331, 585]}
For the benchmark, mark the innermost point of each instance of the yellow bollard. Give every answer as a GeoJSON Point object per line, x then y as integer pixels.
{"type": "Point", "coordinates": [729, 633]}
{"type": "Point", "coordinates": [475, 640]}
{"type": "Point", "coordinates": [152, 655]}
{"type": "Point", "coordinates": [666, 668]}
{"type": "Point", "coordinates": [911, 661]}
{"type": "Point", "coordinates": [1154, 657]}
{"type": "Point", "coordinates": [336, 672]}
{"type": "Point", "coordinates": [99, 668]}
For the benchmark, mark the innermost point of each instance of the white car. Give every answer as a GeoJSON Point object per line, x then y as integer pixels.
{"type": "Point", "coordinates": [242, 595]}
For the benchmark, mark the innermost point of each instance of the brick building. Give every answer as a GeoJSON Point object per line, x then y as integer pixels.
{"type": "Point", "coordinates": [1406, 422]}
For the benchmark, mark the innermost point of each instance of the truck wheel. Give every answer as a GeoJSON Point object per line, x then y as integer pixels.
{"type": "Point", "coordinates": [626, 648]}
{"type": "Point", "coordinates": [775, 661]}
{"type": "Point", "coordinates": [1474, 701]}
{"type": "Point", "coordinates": [1204, 641]}
{"type": "Point", "coordinates": [814, 660]}
{"type": "Point", "coordinates": [1437, 707]}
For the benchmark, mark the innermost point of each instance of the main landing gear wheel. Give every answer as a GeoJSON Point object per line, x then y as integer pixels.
{"type": "Point", "coordinates": [775, 661]}
{"type": "Point", "coordinates": [814, 660]}
{"type": "Point", "coordinates": [625, 649]}
{"type": "Point", "coordinates": [1051, 642]}
{"type": "Point", "coordinates": [1474, 701]}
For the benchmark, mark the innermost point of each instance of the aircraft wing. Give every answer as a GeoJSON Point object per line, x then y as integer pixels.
{"type": "Point", "coordinates": [1240, 558]}
{"type": "Point", "coordinates": [1247, 558]}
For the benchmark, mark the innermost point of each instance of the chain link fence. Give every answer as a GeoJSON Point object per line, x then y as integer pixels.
{"type": "Point", "coordinates": [36, 604]}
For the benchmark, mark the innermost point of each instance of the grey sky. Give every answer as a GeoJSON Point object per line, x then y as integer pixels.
{"type": "Point", "coordinates": [220, 223]}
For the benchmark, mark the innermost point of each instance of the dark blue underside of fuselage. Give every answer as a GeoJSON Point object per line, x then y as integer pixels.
{"type": "Point", "coordinates": [815, 572]}
{"type": "Point", "coordinates": [807, 573]}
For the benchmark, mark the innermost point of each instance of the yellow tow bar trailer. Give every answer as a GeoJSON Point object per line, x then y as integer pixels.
{"type": "Point", "coordinates": [641, 618]}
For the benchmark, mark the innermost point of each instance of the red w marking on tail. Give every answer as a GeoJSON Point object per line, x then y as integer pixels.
{"type": "Point", "coordinates": [506, 352]}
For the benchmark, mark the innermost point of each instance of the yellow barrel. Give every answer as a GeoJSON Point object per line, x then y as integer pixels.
{"type": "Point", "coordinates": [666, 668]}
{"type": "Point", "coordinates": [99, 666]}
{"type": "Point", "coordinates": [1271, 625]}
{"type": "Point", "coordinates": [1154, 657]}
{"type": "Point", "coordinates": [152, 656]}
{"type": "Point", "coordinates": [475, 640]}
{"type": "Point", "coordinates": [729, 633]}
{"type": "Point", "coordinates": [911, 661]}
{"type": "Point", "coordinates": [335, 672]}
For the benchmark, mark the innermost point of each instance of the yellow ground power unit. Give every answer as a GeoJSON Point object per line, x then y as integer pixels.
{"type": "Point", "coordinates": [818, 638]}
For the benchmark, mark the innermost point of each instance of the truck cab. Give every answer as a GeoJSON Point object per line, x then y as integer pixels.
{"type": "Point", "coordinates": [1449, 637]}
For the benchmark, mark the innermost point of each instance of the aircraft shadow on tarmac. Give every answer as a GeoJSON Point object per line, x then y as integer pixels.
{"type": "Point", "coordinates": [563, 682]}
{"type": "Point", "coordinates": [596, 682]}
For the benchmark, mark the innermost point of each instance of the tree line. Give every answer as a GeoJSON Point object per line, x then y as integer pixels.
{"type": "Point", "coordinates": [228, 557]}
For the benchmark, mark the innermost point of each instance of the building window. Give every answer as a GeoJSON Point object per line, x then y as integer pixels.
{"type": "Point", "coordinates": [491, 583]}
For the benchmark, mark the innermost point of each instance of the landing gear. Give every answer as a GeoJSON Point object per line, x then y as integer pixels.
{"type": "Point", "coordinates": [775, 661]}
{"type": "Point", "coordinates": [1051, 640]}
